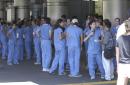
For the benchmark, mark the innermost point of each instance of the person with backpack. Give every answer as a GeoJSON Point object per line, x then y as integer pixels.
{"type": "Point", "coordinates": [107, 43]}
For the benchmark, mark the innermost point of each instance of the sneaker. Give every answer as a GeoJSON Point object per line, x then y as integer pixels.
{"type": "Point", "coordinates": [62, 74]}
{"type": "Point", "coordinates": [108, 79]}
{"type": "Point", "coordinates": [52, 73]}
{"type": "Point", "coordinates": [79, 75]}
{"type": "Point", "coordinates": [102, 77]}
{"type": "Point", "coordinates": [16, 63]}
{"type": "Point", "coordinates": [10, 64]}
{"type": "Point", "coordinates": [36, 63]}
{"type": "Point", "coordinates": [76, 76]}
{"type": "Point", "coordinates": [44, 70]}
{"type": "Point", "coordinates": [92, 77]}
{"type": "Point", "coordinates": [70, 75]}
{"type": "Point", "coordinates": [47, 70]}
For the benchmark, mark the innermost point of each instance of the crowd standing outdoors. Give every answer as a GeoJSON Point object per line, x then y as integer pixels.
{"type": "Point", "coordinates": [28, 38]}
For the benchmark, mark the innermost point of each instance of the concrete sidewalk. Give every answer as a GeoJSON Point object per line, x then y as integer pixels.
{"type": "Point", "coordinates": [26, 73]}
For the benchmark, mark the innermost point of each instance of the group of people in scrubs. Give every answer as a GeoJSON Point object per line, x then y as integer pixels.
{"type": "Point", "coordinates": [66, 39]}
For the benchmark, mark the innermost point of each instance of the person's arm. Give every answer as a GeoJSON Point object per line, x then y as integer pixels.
{"type": "Point", "coordinates": [62, 35]}
{"type": "Point", "coordinates": [81, 39]}
{"type": "Point", "coordinates": [50, 33]}
{"type": "Point", "coordinates": [87, 37]}
{"type": "Point", "coordinates": [117, 57]}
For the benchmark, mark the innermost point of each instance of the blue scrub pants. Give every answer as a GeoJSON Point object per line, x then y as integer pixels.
{"type": "Point", "coordinates": [59, 59]}
{"type": "Point", "coordinates": [37, 46]}
{"type": "Point", "coordinates": [46, 53]}
{"type": "Point", "coordinates": [11, 51]}
{"type": "Point", "coordinates": [28, 49]}
{"type": "Point", "coordinates": [19, 49]}
{"type": "Point", "coordinates": [94, 59]}
{"type": "Point", "coordinates": [4, 50]}
{"type": "Point", "coordinates": [74, 60]}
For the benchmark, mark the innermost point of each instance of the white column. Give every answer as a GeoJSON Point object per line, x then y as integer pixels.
{"type": "Point", "coordinates": [36, 8]}
{"type": "Point", "coordinates": [56, 8]}
{"type": "Point", "coordinates": [10, 13]}
{"type": "Point", "coordinates": [22, 10]}
{"type": "Point", "coordinates": [115, 9]}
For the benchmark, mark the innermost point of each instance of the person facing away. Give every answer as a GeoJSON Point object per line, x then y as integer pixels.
{"type": "Point", "coordinates": [123, 56]}
{"type": "Point", "coordinates": [36, 40]}
{"type": "Point", "coordinates": [59, 43]}
{"type": "Point", "coordinates": [28, 39]}
{"type": "Point", "coordinates": [3, 39]}
{"type": "Point", "coordinates": [74, 36]}
{"type": "Point", "coordinates": [11, 45]}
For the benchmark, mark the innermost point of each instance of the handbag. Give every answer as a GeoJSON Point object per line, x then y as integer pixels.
{"type": "Point", "coordinates": [109, 53]}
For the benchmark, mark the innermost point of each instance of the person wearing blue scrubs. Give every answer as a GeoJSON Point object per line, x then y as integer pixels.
{"type": "Point", "coordinates": [19, 42]}
{"type": "Point", "coordinates": [94, 50]}
{"type": "Point", "coordinates": [59, 43]}
{"type": "Point", "coordinates": [46, 36]}
{"type": "Point", "coordinates": [11, 45]}
{"type": "Point", "coordinates": [28, 35]}
{"type": "Point", "coordinates": [3, 39]}
{"type": "Point", "coordinates": [74, 36]}
{"type": "Point", "coordinates": [37, 42]}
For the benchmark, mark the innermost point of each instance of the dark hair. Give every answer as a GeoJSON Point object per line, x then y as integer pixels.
{"type": "Point", "coordinates": [107, 23]}
{"type": "Point", "coordinates": [47, 20]}
{"type": "Point", "coordinates": [100, 21]}
{"type": "Point", "coordinates": [127, 26]}
{"type": "Point", "coordinates": [57, 24]}
{"type": "Point", "coordinates": [20, 24]}
{"type": "Point", "coordinates": [38, 22]}
{"type": "Point", "coordinates": [118, 19]}
{"type": "Point", "coordinates": [63, 16]}
{"type": "Point", "coordinates": [91, 22]}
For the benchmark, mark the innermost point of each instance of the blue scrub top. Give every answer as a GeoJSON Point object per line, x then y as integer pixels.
{"type": "Point", "coordinates": [94, 46]}
{"type": "Point", "coordinates": [12, 35]}
{"type": "Point", "coordinates": [36, 30]}
{"type": "Point", "coordinates": [28, 31]}
{"type": "Point", "coordinates": [73, 36]}
{"type": "Point", "coordinates": [19, 33]}
{"type": "Point", "coordinates": [3, 37]}
{"type": "Point", "coordinates": [44, 31]}
{"type": "Point", "coordinates": [57, 41]}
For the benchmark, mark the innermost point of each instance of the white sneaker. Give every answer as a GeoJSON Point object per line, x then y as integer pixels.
{"type": "Point", "coordinates": [79, 75]}
{"type": "Point", "coordinates": [62, 74]}
{"type": "Point", "coordinates": [70, 75]}
{"type": "Point", "coordinates": [108, 79]}
{"type": "Point", "coordinates": [102, 77]}
{"type": "Point", "coordinates": [36, 63]}
{"type": "Point", "coordinates": [47, 70]}
{"type": "Point", "coordinates": [44, 70]}
{"type": "Point", "coordinates": [92, 77]}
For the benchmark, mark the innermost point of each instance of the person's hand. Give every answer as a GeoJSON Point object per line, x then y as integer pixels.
{"type": "Point", "coordinates": [91, 33]}
{"type": "Point", "coordinates": [34, 34]}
